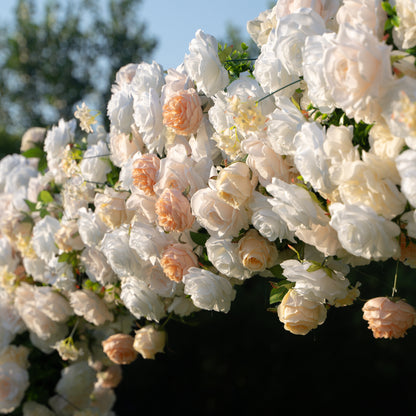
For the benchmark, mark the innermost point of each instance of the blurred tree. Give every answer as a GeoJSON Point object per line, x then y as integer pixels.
{"type": "Point", "coordinates": [234, 37]}
{"type": "Point", "coordinates": [55, 58]}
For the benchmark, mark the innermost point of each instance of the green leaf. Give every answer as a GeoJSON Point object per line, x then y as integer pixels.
{"type": "Point", "coordinates": [314, 268]}
{"type": "Point", "coordinates": [387, 7]}
{"type": "Point", "coordinates": [278, 293]}
{"type": "Point", "coordinates": [64, 257]}
{"type": "Point", "coordinates": [32, 205]}
{"type": "Point", "coordinates": [276, 270]}
{"type": "Point", "coordinates": [199, 238]}
{"type": "Point", "coordinates": [45, 197]}
{"type": "Point", "coordinates": [33, 152]}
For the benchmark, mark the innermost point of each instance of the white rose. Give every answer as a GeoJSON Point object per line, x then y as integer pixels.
{"type": "Point", "coordinates": [383, 143]}
{"type": "Point", "coordinates": [43, 240]}
{"type": "Point", "coordinates": [123, 145]}
{"type": "Point", "coordinates": [310, 158]}
{"type": "Point", "coordinates": [147, 76]}
{"type": "Point", "coordinates": [8, 258]}
{"type": "Point", "coordinates": [176, 80]}
{"type": "Point", "coordinates": [363, 233]}
{"type": "Point", "coordinates": [291, 32]}
{"type": "Point", "coordinates": [406, 165]}
{"type": "Point", "coordinates": [398, 108]}
{"type": "Point", "coordinates": [140, 300]}
{"type": "Point", "coordinates": [149, 120]}
{"type": "Point", "coordinates": [124, 75]}
{"type": "Point", "coordinates": [95, 164]}
{"type": "Point", "coordinates": [259, 28]}
{"type": "Point", "coordinates": [120, 110]}
{"type": "Point", "coordinates": [268, 222]}
{"type": "Point", "coordinates": [367, 14]}
{"type": "Point", "coordinates": [357, 69]}
{"type": "Point", "coordinates": [32, 408]}
{"type": "Point", "coordinates": [203, 64]}
{"type": "Point", "coordinates": [270, 72]}
{"type": "Point", "coordinates": [122, 259]}
{"type": "Point", "coordinates": [7, 164]}
{"type": "Point", "coordinates": [76, 194]}
{"type": "Point", "coordinates": [295, 205]}
{"type": "Point", "coordinates": [318, 285]}
{"type": "Point", "coordinates": [182, 306]}
{"type": "Point", "coordinates": [218, 217]}
{"type": "Point", "coordinates": [10, 320]}
{"type": "Point", "coordinates": [410, 219]}
{"type": "Point", "coordinates": [282, 125]}
{"type": "Point", "coordinates": [404, 36]}
{"type": "Point", "coordinates": [90, 227]}
{"type": "Point", "coordinates": [90, 306]}
{"type": "Point", "coordinates": [208, 291]}
{"type": "Point", "coordinates": [73, 389]}
{"type": "Point", "coordinates": [97, 267]}
{"type": "Point", "coordinates": [223, 254]}
{"type": "Point", "coordinates": [14, 380]}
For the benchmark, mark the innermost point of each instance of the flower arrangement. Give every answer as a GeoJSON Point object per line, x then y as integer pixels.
{"type": "Point", "coordinates": [296, 167]}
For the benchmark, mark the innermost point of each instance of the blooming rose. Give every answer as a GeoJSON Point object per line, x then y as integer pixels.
{"type": "Point", "coordinates": [183, 113]}
{"type": "Point", "coordinates": [294, 205]}
{"type": "Point", "coordinates": [208, 291]}
{"type": "Point", "coordinates": [147, 75]}
{"type": "Point", "coordinates": [256, 252]}
{"type": "Point", "coordinates": [32, 137]}
{"type": "Point", "coordinates": [267, 221]}
{"type": "Point", "coordinates": [363, 233]}
{"type": "Point", "coordinates": [14, 380]}
{"type": "Point", "coordinates": [259, 28]}
{"type": "Point", "coordinates": [90, 306]}
{"type": "Point", "coordinates": [145, 169]}
{"type": "Point", "coordinates": [176, 261]}
{"type": "Point", "coordinates": [388, 319]}
{"type": "Point", "coordinates": [299, 314]}
{"type": "Point", "coordinates": [32, 408]}
{"type": "Point", "coordinates": [406, 165]}
{"type": "Point", "coordinates": [119, 348]}
{"type": "Point", "coordinates": [218, 217]}
{"type": "Point", "coordinates": [111, 377]}
{"type": "Point", "coordinates": [97, 267]}
{"type": "Point", "coordinates": [91, 229]}
{"type": "Point", "coordinates": [264, 162]}
{"type": "Point", "coordinates": [123, 145]}
{"type": "Point", "coordinates": [140, 300]}
{"type": "Point", "coordinates": [148, 341]}
{"type": "Point", "coordinates": [223, 254]}
{"type": "Point", "coordinates": [110, 207]}
{"type": "Point", "coordinates": [356, 69]}
{"type": "Point", "coordinates": [173, 211]}
{"type": "Point", "coordinates": [316, 285]}
{"type": "Point", "coordinates": [235, 184]}
{"type": "Point", "coordinates": [203, 64]}
{"type": "Point", "coordinates": [175, 80]}
{"type": "Point", "coordinates": [95, 164]}
{"type": "Point", "coordinates": [120, 109]}
{"type": "Point", "coordinates": [67, 237]}
{"type": "Point", "coordinates": [404, 35]}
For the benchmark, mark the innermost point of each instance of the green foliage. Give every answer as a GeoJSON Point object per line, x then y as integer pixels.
{"type": "Point", "coordinates": [200, 237]}
{"type": "Point", "coordinates": [68, 53]}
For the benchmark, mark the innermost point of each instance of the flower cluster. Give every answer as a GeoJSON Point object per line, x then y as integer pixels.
{"type": "Point", "coordinates": [295, 168]}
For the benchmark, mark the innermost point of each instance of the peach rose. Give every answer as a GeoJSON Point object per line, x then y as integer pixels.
{"type": "Point", "coordinates": [173, 211]}
{"type": "Point", "coordinates": [388, 319]}
{"type": "Point", "coordinates": [177, 259]}
{"type": "Point", "coordinates": [119, 348]}
{"type": "Point", "coordinates": [149, 341]}
{"type": "Point", "coordinates": [256, 252]}
{"type": "Point", "coordinates": [145, 169]}
{"type": "Point", "coordinates": [183, 113]}
{"type": "Point", "coordinates": [300, 315]}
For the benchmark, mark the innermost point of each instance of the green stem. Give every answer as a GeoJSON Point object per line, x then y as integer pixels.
{"type": "Point", "coordinates": [394, 291]}
{"type": "Point", "coordinates": [280, 89]}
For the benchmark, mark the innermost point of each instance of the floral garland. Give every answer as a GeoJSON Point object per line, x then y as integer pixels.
{"type": "Point", "coordinates": [297, 167]}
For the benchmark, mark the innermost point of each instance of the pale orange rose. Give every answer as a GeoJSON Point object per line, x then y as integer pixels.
{"type": "Point", "coordinates": [183, 113]}
{"type": "Point", "coordinates": [119, 348]}
{"type": "Point", "coordinates": [299, 314]}
{"type": "Point", "coordinates": [145, 170]}
{"type": "Point", "coordinates": [388, 319]}
{"type": "Point", "coordinates": [173, 211]}
{"type": "Point", "coordinates": [177, 259]}
{"type": "Point", "coordinates": [256, 252]}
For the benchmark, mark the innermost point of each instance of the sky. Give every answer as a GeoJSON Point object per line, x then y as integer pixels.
{"type": "Point", "coordinates": [174, 22]}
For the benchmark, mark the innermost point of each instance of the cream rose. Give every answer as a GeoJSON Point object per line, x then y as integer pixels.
{"type": "Point", "coordinates": [218, 217]}
{"type": "Point", "coordinates": [256, 252]}
{"type": "Point", "coordinates": [235, 184]}
{"type": "Point", "coordinates": [300, 315]}
{"type": "Point", "coordinates": [148, 341]}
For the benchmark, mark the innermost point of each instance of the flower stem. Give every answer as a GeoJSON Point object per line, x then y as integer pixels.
{"type": "Point", "coordinates": [394, 291]}
{"type": "Point", "coordinates": [280, 89]}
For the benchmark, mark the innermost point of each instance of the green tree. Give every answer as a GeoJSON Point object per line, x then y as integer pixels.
{"type": "Point", "coordinates": [53, 59]}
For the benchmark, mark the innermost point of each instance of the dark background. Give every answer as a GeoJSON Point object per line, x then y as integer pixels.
{"type": "Point", "coordinates": [245, 361]}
